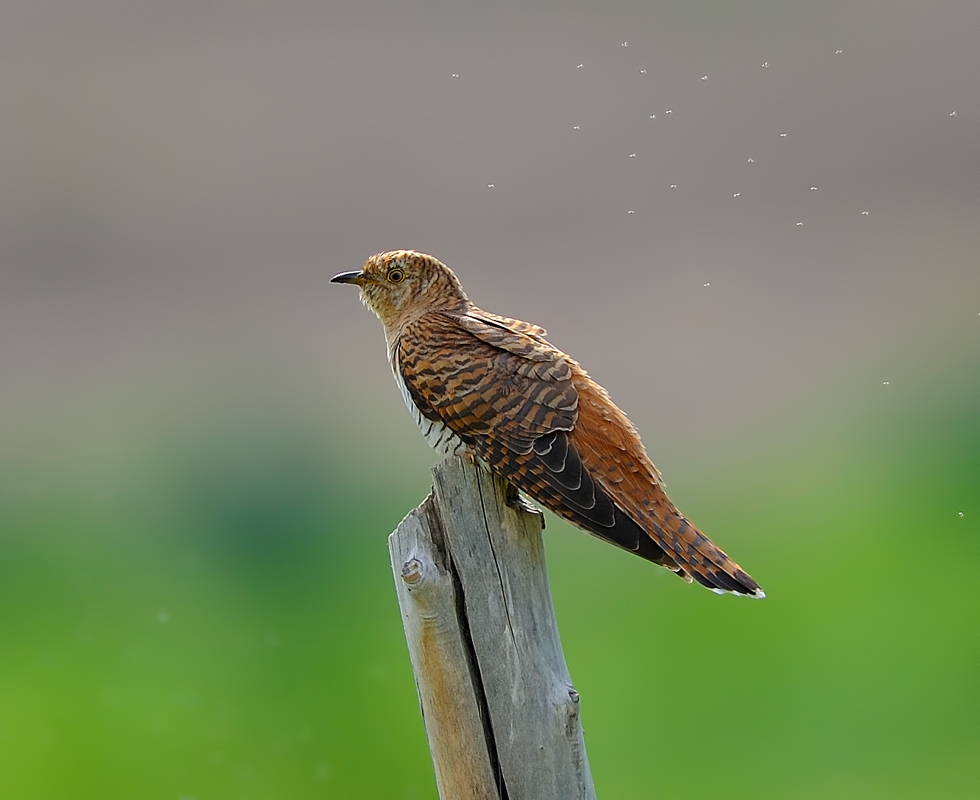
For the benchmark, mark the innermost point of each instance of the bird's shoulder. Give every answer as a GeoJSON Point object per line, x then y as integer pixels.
{"type": "Point", "coordinates": [477, 334]}
{"type": "Point", "coordinates": [478, 315]}
{"type": "Point", "coordinates": [480, 376]}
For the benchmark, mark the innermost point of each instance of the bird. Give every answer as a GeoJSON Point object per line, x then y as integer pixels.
{"type": "Point", "coordinates": [495, 390]}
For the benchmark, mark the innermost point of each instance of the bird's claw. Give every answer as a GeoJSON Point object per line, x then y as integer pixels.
{"type": "Point", "coordinates": [518, 502]}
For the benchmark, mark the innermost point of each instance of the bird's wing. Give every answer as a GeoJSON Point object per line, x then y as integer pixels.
{"type": "Point", "coordinates": [536, 417]}
{"type": "Point", "coordinates": [512, 397]}
{"type": "Point", "coordinates": [486, 382]}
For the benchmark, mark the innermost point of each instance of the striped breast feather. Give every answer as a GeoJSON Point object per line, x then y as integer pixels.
{"type": "Point", "coordinates": [436, 433]}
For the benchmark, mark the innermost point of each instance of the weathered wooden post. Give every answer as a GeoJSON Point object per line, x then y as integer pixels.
{"type": "Point", "coordinates": [500, 712]}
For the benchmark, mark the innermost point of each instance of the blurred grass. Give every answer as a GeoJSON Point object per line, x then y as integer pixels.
{"type": "Point", "coordinates": [208, 612]}
{"type": "Point", "coordinates": [857, 676]}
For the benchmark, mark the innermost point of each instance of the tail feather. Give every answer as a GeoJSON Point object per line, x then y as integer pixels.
{"type": "Point", "coordinates": [664, 537]}
{"type": "Point", "coordinates": [613, 455]}
{"type": "Point", "coordinates": [707, 563]}
{"type": "Point", "coordinates": [693, 554]}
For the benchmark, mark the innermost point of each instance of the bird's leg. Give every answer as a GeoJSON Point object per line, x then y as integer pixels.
{"type": "Point", "coordinates": [517, 501]}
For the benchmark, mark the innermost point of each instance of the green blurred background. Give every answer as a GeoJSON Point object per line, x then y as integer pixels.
{"type": "Point", "coordinates": [202, 451]}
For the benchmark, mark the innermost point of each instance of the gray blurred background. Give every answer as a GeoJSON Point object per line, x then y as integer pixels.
{"type": "Point", "coordinates": [179, 181]}
{"type": "Point", "coordinates": [756, 223]}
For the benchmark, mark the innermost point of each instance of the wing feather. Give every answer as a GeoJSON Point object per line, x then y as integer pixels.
{"type": "Point", "coordinates": [512, 398]}
{"type": "Point", "coordinates": [533, 415]}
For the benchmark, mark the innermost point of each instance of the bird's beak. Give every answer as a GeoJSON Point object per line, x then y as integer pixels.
{"type": "Point", "coordinates": [356, 277]}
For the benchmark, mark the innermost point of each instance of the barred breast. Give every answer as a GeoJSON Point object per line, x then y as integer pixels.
{"type": "Point", "coordinates": [438, 435]}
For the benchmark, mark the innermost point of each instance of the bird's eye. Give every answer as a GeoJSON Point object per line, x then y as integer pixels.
{"type": "Point", "coordinates": [396, 275]}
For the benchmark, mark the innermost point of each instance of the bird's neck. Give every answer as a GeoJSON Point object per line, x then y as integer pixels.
{"type": "Point", "coordinates": [395, 328]}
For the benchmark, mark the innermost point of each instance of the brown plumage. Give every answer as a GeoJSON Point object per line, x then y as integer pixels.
{"type": "Point", "coordinates": [494, 388]}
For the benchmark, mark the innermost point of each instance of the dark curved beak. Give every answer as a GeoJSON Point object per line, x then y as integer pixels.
{"type": "Point", "coordinates": [348, 277]}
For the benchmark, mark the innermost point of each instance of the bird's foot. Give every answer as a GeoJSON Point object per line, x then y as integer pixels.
{"type": "Point", "coordinates": [518, 502]}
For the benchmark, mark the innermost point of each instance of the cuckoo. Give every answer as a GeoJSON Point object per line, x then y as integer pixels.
{"type": "Point", "coordinates": [494, 389]}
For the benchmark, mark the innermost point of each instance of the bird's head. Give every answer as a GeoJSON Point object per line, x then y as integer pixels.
{"type": "Point", "coordinates": [402, 284]}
